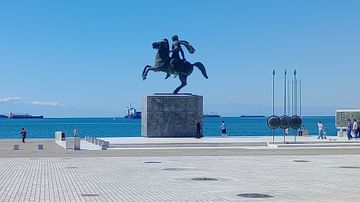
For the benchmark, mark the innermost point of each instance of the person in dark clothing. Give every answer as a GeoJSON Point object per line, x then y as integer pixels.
{"type": "Point", "coordinates": [23, 134]}
{"type": "Point", "coordinates": [349, 129]}
{"type": "Point", "coordinates": [198, 129]}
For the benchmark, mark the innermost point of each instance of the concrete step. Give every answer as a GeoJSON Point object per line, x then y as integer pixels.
{"type": "Point", "coordinates": [155, 145]}
{"type": "Point", "coordinates": [315, 144]}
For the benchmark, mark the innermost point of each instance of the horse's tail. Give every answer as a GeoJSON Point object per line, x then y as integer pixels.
{"type": "Point", "coordinates": [201, 68]}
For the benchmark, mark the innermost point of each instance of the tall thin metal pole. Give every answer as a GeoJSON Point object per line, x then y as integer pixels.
{"type": "Point", "coordinates": [292, 97]}
{"type": "Point", "coordinates": [294, 101]}
{"type": "Point", "coordinates": [284, 98]}
{"type": "Point", "coordinates": [273, 92]}
{"type": "Point", "coordinates": [273, 102]}
{"type": "Point", "coordinates": [285, 94]}
{"type": "Point", "coordinates": [295, 93]}
{"type": "Point", "coordinates": [300, 96]}
{"type": "Point", "coordinates": [288, 97]}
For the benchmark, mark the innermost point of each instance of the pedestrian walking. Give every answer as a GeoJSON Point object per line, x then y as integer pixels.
{"type": "Point", "coordinates": [321, 130]}
{"type": "Point", "coordinates": [23, 134]}
{"type": "Point", "coordinates": [223, 129]}
{"type": "Point", "coordinates": [349, 129]}
{"type": "Point", "coordinates": [301, 130]}
{"type": "Point", "coordinates": [355, 129]}
{"type": "Point", "coordinates": [75, 132]}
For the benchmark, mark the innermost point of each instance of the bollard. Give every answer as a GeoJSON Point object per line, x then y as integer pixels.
{"type": "Point", "coordinates": [40, 147]}
{"type": "Point", "coordinates": [16, 147]}
{"type": "Point", "coordinates": [105, 145]}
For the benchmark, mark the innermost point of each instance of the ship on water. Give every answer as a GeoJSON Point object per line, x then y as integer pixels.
{"type": "Point", "coordinates": [24, 116]}
{"type": "Point", "coordinates": [131, 113]}
{"type": "Point", "coordinates": [212, 114]}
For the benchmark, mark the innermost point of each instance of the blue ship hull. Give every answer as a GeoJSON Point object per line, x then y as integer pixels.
{"type": "Point", "coordinates": [137, 115]}
{"type": "Point", "coordinates": [26, 117]}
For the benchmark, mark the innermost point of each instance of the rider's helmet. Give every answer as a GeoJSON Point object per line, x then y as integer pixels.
{"type": "Point", "coordinates": [175, 38]}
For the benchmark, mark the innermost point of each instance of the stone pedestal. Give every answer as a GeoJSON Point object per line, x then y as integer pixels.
{"type": "Point", "coordinates": [171, 115]}
{"type": "Point", "coordinates": [73, 143]}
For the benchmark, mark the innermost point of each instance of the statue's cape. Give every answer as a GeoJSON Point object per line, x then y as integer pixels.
{"type": "Point", "coordinates": [188, 46]}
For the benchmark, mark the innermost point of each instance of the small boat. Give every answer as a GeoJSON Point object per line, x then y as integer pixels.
{"type": "Point", "coordinates": [132, 113]}
{"type": "Point", "coordinates": [24, 116]}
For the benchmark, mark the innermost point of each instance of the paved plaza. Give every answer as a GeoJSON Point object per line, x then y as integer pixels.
{"type": "Point", "coordinates": [187, 174]}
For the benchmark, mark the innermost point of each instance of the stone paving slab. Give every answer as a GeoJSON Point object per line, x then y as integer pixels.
{"type": "Point", "coordinates": [311, 178]}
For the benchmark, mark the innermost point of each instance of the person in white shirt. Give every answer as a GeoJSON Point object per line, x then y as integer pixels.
{"type": "Point", "coordinates": [321, 131]}
{"type": "Point", "coordinates": [355, 129]}
{"type": "Point", "coordinates": [223, 129]}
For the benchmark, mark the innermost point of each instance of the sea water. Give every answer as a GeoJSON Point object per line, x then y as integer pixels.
{"type": "Point", "coordinates": [121, 127]}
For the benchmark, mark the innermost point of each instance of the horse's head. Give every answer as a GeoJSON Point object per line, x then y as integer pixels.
{"type": "Point", "coordinates": [156, 45]}
{"type": "Point", "coordinates": [162, 45]}
{"type": "Point", "coordinates": [162, 55]}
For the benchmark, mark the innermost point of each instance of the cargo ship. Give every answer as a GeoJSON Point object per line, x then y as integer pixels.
{"type": "Point", "coordinates": [131, 113]}
{"type": "Point", "coordinates": [24, 116]}
{"type": "Point", "coordinates": [211, 115]}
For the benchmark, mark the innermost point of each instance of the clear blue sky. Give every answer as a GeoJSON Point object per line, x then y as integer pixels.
{"type": "Point", "coordinates": [85, 58]}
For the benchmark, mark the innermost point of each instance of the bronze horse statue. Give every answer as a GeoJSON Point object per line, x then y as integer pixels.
{"type": "Point", "coordinates": [162, 64]}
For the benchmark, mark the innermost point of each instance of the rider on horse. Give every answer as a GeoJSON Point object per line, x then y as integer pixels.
{"type": "Point", "coordinates": [162, 61]}
{"type": "Point", "coordinates": [175, 60]}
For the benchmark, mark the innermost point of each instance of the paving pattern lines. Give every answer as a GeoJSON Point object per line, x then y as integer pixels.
{"type": "Point", "coordinates": [134, 180]}
{"type": "Point", "coordinates": [316, 178]}
{"type": "Point", "coordinates": [319, 179]}
{"type": "Point", "coordinates": [87, 179]}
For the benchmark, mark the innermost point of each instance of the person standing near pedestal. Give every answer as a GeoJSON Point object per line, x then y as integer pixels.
{"type": "Point", "coordinates": [23, 134]}
{"type": "Point", "coordinates": [198, 129]}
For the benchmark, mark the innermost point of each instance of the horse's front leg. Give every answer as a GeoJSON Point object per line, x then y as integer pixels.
{"type": "Point", "coordinates": [145, 71]}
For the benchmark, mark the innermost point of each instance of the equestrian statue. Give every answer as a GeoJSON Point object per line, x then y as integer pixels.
{"type": "Point", "coordinates": [173, 65]}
